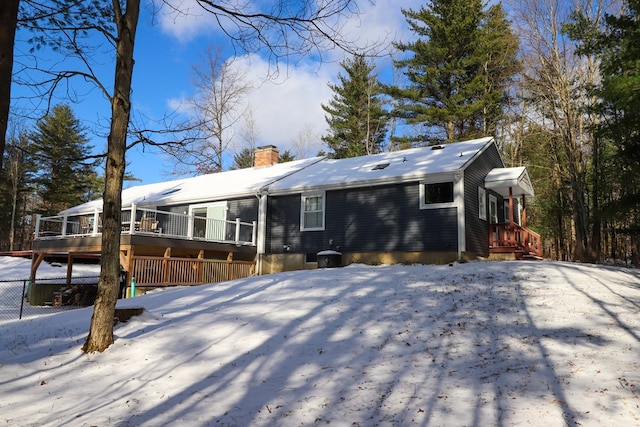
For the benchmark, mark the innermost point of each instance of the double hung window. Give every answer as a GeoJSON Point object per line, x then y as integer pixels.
{"type": "Point", "coordinates": [482, 203]}
{"type": "Point", "coordinates": [312, 212]}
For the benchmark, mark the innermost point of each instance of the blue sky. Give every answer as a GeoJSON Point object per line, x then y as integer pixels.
{"type": "Point", "coordinates": [167, 47]}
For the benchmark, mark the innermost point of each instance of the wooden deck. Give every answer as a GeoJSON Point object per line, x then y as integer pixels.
{"type": "Point", "coordinates": [156, 271]}
{"type": "Point", "coordinates": [510, 238]}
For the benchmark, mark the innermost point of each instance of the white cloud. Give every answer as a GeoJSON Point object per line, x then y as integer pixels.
{"type": "Point", "coordinates": [290, 105]}
{"type": "Point", "coordinates": [184, 19]}
{"type": "Point", "coordinates": [376, 23]}
{"type": "Point", "coordinates": [284, 106]}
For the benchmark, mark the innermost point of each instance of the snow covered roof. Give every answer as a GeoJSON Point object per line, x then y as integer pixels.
{"type": "Point", "coordinates": [398, 166]}
{"type": "Point", "coordinates": [393, 167]}
{"type": "Point", "coordinates": [501, 179]}
{"type": "Point", "coordinates": [203, 188]}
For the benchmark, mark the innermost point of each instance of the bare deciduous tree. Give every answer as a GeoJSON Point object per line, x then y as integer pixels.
{"type": "Point", "coordinates": [283, 30]}
{"type": "Point", "coordinates": [217, 108]}
{"type": "Point", "coordinates": [101, 329]}
{"type": "Point", "coordinates": [305, 142]}
{"type": "Point", "coordinates": [554, 82]}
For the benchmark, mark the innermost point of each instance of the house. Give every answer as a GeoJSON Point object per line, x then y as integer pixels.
{"type": "Point", "coordinates": [429, 204]}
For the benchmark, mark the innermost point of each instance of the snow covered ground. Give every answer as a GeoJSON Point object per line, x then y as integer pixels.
{"type": "Point", "coordinates": [475, 344]}
{"type": "Point", "coordinates": [14, 277]}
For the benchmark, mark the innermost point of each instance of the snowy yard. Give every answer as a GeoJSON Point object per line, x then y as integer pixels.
{"type": "Point", "coordinates": [475, 344]}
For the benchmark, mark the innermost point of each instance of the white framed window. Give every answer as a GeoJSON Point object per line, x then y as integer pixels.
{"type": "Point", "coordinates": [312, 211]}
{"type": "Point", "coordinates": [493, 209]}
{"type": "Point", "coordinates": [437, 195]}
{"type": "Point", "coordinates": [517, 208]}
{"type": "Point", "coordinates": [482, 203]}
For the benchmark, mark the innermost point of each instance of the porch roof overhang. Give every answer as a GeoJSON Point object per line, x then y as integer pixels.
{"type": "Point", "coordinates": [501, 179]}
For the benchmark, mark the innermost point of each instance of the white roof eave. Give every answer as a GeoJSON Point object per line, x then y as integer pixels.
{"type": "Point", "coordinates": [501, 179]}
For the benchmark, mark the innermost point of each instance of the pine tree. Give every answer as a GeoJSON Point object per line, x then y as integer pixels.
{"type": "Point", "coordinates": [64, 176]}
{"type": "Point", "coordinates": [287, 156]}
{"type": "Point", "coordinates": [16, 226]}
{"type": "Point", "coordinates": [617, 47]}
{"type": "Point", "coordinates": [356, 118]}
{"type": "Point", "coordinates": [243, 159]}
{"type": "Point", "coordinates": [458, 73]}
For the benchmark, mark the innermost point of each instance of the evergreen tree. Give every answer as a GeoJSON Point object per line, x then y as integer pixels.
{"type": "Point", "coordinates": [459, 70]}
{"type": "Point", "coordinates": [356, 118]}
{"type": "Point", "coordinates": [243, 159]}
{"type": "Point", "coordinates": [620, 94]}
{"type": "Point", "coordinates": [16, 198]}
{"type": "Point", "coordinates": [287, 156]}
{"type": "Point", "coordinates": [617, 47]}
{"type": "Point", "coordinates": [64, 176]}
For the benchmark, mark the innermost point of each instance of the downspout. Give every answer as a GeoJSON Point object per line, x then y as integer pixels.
{"type": "Point", "coordinates": [262, 194]}
{"type": "Point", "coordinates": [459, 197]}
{"type": "Point", "coordinates": [261, 238]}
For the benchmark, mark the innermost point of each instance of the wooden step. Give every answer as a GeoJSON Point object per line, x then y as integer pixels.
{"type": "Point", "coordinates": [530, 257]}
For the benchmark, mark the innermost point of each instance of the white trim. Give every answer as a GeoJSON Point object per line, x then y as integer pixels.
{"type": "Point", "coordinates": [458, 198]}
{"type": "Point", "coordinates": [458, 202]}
{"type": "Point", "coordinates": [438, 179]}
{"type": "Point", "coordinates": [482, 203]}
{"type": "Point", "coordinates": [517, 178]}
{"type": "Point", "coordinates": [493, 199]}
{"type": "Point", "coordinates": [261, 242]}
{"type": "Point", "coordinates": [206, 206]}
{"type": "Point", "coordinates": [305, 196]}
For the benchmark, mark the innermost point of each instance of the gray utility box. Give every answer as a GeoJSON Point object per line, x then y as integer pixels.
{"type": "Point", "coordinates": [329, 259]}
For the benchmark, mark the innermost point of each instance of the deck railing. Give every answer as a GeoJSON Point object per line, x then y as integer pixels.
{"type": "Point", "coordinates": [150, 222]}
{"type": "Point", "coordinates": [155, 271]}
{"type": "Point", "coordinates": [507, 235]}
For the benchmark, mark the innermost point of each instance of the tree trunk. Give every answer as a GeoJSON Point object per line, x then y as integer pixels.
{"type": "Point", "coordinates": [8, 24]}
{"type": "Point", "coordinates": [101, 329]}
{"type": "Point", "coordinates": [596, 232]}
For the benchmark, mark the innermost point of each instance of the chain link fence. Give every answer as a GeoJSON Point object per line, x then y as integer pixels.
{"type": "Point", "coordinates": [21, 299]}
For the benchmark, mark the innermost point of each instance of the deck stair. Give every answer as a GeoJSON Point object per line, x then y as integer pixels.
{"type": "Point", "coordinates": [505, 238]}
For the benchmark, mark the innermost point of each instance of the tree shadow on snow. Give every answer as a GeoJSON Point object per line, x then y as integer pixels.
{"type": "Point", "coordinates": [465, 346]}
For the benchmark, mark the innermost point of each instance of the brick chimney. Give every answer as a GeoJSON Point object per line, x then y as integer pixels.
{"type": "Point", "coordinates": [266, 156]}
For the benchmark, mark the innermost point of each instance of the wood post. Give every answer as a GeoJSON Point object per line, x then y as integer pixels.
{"type": "Point", "coordinates": [69, 267]}
{"type": "Point", "coordinates": [511, 222]}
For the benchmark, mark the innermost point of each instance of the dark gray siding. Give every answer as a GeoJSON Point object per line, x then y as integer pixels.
{"type": "Point", "coordinates": [375, 219]}
{"type": "Point", "coordinates": [477, 230]}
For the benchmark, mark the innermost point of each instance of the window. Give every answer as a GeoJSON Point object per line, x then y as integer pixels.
{"type": "Point", "coordinates": [517, 209]}
{"type": "Point", "coordinates": [437, 195]}
{"type": "Point", "coordinates": [441, 192]}
{"type": "Point", "coordinates": [312, 212]}
{"type": "Point", "coordinates": [493, 209]}
{"type": "Point", "coordinates": [380, 166]}
{"type": "Point", "coordinates": [482, 203]}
